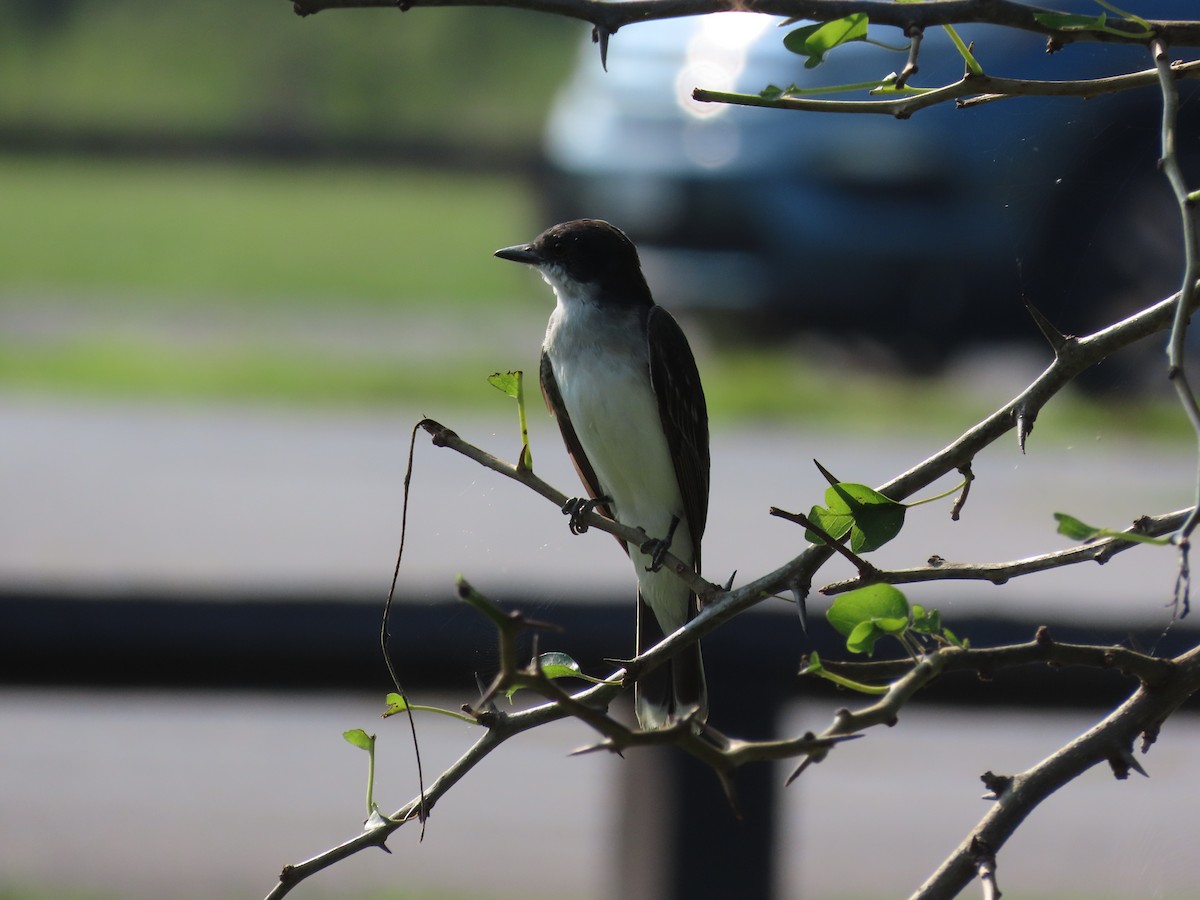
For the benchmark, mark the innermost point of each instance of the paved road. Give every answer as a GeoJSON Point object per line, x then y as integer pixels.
{"type": "Point", "coordinates": [106, 495]}
{"type": "Point", "coordinates": [145, 794]}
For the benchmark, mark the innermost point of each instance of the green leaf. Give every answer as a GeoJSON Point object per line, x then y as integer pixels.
{"type": "Point", "coordinates": [892, 624]}
{"type": "Point", "coordinates": [775, 92]}
{"type": "Point", "coordinates": [814, 41]}
{"type": "Point", "coordinates": [862, 638]}
{"type": "Point", "coordinates": [871, 518]}
{"type": "Point", "coordinates": [1075, 529]}
{"type": "Point", "coordinates": [926, 621]}
{"type": "Point", "coordinates": [1079, 531]}
{"type": "Point", "coordinates": [867, 614]}
{"type": "Point", "coordinates": [360, 739]}
{"type": "Point", "coordinates": [395, 704]}
{"type": "Point", "coordinates": [954, 639]}
{"type": "Point", "coordinates": [558, 665]}
{"type": "Point", "coordinates": [509, 382]}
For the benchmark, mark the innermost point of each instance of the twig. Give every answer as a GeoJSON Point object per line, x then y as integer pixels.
{"type": "Point", "coordinates": [1100, 551]}
{"type": "Point", "coordinates": [1186, 301]}
{"type": "Point", "coordinates": [969, 90]}
{"type": "Point", "coordinates": [1151, 671]}
{"type": "Point", "coordinates": [444, 437]}
{"type": "Point", "coordinates": [866, 571]}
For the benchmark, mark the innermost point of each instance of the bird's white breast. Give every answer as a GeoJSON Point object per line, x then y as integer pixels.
{"type": "Point", "coordinates": [604, 379]}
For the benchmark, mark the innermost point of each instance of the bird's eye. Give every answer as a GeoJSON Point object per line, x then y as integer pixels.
{"type": "Point", "coordinates": [556, 247]}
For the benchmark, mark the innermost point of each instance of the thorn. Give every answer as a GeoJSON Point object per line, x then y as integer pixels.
{"type": "Point", "coordinates": [799, 770]}
{"type": "Point", "coordinates": [1054, 337]}
{"type": "Point", "coordinates": [1123, 762]}
{"type": "Point", "coordinates": [829, 476]}
{"type": "Point", "coordinates": [606, 744]}
{"type": "Point", "coordinates": [729, 584]}
{"type": "Point", "coordinates": [490, 705]}
{"type": "Point", "coordinates": [1024, 427]}
{"type": "Point", "coordinates": [600, 35]}
{"type": "Point", "coordinates": [801, 608]}
{"type": "Point", "coordinates": [799, 592]}
{"type": "Point", "coordinates": [730, 793]}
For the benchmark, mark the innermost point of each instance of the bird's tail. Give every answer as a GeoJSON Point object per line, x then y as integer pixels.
{"type": "Point", "coordinates": [675, 690]}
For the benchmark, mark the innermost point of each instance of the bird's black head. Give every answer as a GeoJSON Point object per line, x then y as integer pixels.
{"type": "Point", "coordinates": [587, 255]}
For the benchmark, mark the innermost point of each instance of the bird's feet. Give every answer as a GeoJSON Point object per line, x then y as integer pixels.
{"type": "Point", "coordinates": [657, 548]}
{"type": "Point", "coordinates": [577, 508]}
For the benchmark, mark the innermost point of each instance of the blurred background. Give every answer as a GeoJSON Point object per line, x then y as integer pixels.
{"type": "Point", "coordinates": [241, 253]}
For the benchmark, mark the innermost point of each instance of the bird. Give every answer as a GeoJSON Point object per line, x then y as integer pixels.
{"type": "Point", "coordinates": [619, 377]}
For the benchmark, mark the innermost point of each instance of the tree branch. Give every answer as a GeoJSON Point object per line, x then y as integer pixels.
{"type": "Point", "coordinates": [1100, 551]}
{"type": "Point", "coordinates": [610, 16]}
{"type": "Point", "coordinates": [1151, 671]}
{"type": "Point", "coordinates": [970, 90]}
{"type": "Point", "coordinates": [1110, 741]}
{"type": "Point", "coordinates": [444, 437]}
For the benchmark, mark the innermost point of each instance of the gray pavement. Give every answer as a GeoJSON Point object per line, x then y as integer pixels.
{"type": "Point", "coordinates": [105, 495]}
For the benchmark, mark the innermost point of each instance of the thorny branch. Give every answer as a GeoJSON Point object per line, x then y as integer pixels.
{"type": "Point", "coordinates": [1111, 741]}
{"type": "Point", "coordinates": [609, 16]}
{"type": "Point", "coordinates": [1100, 551]}
{"type": "Point", "coordinates": [1169, 163]}
{"type": "Point", "coordinates": [444, 437]}
{"type": "Point", "coordinates": [970, 90]}
{"type": "Point", "coordinates": [724, 755]}
{"type": "Point", "coordinates": [1165, 684]}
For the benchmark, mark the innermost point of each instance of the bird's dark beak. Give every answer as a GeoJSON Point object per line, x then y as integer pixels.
{"type": "Point", "coordinates": [522, 253]}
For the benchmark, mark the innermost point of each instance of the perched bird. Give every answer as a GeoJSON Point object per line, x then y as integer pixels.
{"type": "Point", "coordinates": [619, 377]}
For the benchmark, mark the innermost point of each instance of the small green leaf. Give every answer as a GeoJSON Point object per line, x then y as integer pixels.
{"type": "Point", "coordinates": [871, 518]}
{"type": "Point", "coordinates": [1079, 531]}
{"type": "Point", "coordinates": [509, 382]}
{"type": "Point", "coordinates": [926, 621]}
{"type": "Point", "coordinates": [559, 665]}
{"type": "Point", "coordinates": [862, 638]}
{"type": "Point", "coordinates": [775, 92]}
{"type": "Point", "coordinates": [360, 739]}
{"type": "Point", "coordinates": [395, 704]}
{"type": "Point", "coordinates": [814, 41]}
{"type": "Point", "coordinates": [865, 615]}
{"type": "Point", "coordinates": [1075, 529]}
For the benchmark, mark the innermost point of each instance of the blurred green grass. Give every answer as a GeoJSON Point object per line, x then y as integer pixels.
{"type": "Point", "coordinates": [258, 233]}
{"type": "Point", "coordinates": [96, 249]}
{"type": "Point", "coordinates": [227, 69]}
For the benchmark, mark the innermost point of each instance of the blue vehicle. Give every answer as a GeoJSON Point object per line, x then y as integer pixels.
{"type": "Point", "coordinates": [912, 231]}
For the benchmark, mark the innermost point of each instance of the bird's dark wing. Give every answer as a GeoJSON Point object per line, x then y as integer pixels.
{"type": "Point", "coordinates": [558, 409]}
{"type": "Point", "coordinates": [684, 414]}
